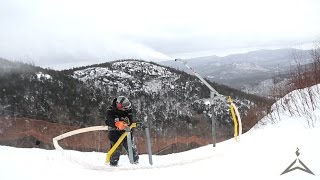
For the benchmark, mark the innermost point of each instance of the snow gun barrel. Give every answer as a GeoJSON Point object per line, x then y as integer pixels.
{"type": "Point", "coordinates": [214, 92]}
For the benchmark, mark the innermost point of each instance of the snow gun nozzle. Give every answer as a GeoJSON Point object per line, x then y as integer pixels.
{"type": "Point", "coordinates": [181, 60]}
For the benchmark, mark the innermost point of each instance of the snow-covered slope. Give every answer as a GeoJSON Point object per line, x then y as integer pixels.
{"type": "Point", "coordinates": [302, 106]}
{"type": "Point", "coordinates": [262, 153]}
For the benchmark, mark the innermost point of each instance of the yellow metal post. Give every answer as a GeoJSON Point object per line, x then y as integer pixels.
{"type": "Point", "coordinates": [234, 119]}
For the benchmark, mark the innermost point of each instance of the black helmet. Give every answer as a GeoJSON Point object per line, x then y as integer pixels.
{"type": "Point", "coordinates": [123, 103]}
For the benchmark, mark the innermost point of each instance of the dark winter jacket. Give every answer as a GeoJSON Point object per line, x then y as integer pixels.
{"type": "Point", "coordinates": [113, 113]}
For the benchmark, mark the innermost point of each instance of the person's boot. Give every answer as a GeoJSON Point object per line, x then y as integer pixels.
{"type": "Point", "coordinates": [135, 157]}
{"type": "Point", "coordinates": [115, 157]}
{"type": "Point", "coordinates": [114, 163]}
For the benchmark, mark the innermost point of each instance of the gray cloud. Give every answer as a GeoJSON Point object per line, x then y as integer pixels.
{"type": "Point", "coordinates": [62, 34]}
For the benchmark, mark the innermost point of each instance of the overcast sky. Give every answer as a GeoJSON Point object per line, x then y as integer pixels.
{"type": "Point", "coordinates": [64, 33]}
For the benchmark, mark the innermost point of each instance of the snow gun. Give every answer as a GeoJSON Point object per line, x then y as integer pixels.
{"type": "Point", "coordinates": [214, 95]}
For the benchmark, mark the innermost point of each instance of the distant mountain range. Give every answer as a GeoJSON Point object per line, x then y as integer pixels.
{"type": "Point", "coordinates": [250, 72]}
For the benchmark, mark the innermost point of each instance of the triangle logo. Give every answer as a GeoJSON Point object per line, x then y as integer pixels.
{"type": "Point", "coordinates": [292, 167]}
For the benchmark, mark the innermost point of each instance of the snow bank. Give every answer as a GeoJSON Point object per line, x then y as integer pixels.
{"type": "Point", "coordinates": [300, 108]}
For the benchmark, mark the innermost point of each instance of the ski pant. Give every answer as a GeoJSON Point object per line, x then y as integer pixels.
{"type": "Point", "coordinates": [114, 135]}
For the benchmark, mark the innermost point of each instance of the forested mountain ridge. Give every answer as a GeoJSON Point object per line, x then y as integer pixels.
{"type": "Point", "coordinates": [171, 101]}
{"type": "Point", "coordinates": [31, 91]}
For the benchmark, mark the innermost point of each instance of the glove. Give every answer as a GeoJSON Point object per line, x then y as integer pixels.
{"type": "Point", "coordinates": [126, 120]}
{"type": "Point", "coordinates": [121, 125]}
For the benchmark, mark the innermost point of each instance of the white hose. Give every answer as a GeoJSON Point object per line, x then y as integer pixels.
{"type": "Point", "coordinates": [74, 132]}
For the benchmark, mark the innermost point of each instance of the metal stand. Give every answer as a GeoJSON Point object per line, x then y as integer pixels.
{"type": "Point", "coordinates": [129, 141]}
{"type": "Point", "coordinates": [149, 144]}
{"type": "Point", "coordinates": [213, 94]}
{"type": "Point", "coordinates": [213, 121]}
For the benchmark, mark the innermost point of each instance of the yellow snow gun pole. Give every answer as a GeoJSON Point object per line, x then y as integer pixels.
{"type": "Point", "coordinates": [116, 145]}
{"type": "Point", "coordinates": [234, 118]}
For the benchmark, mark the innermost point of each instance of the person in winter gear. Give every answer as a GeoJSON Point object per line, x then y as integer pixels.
{"type": "Point", "coordinates": [118, 117]}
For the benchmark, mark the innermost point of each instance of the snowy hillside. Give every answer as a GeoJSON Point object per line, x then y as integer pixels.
{"type": "Point", "coordinates": [262, 153]}
{"type": "Point", "coordinates": [302, 104]}
{"type": "Point", "coordinates": [129, 76]}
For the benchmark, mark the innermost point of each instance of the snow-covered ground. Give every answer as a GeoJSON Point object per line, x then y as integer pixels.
{"type": "Point", "coordinates": [263, 153]}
